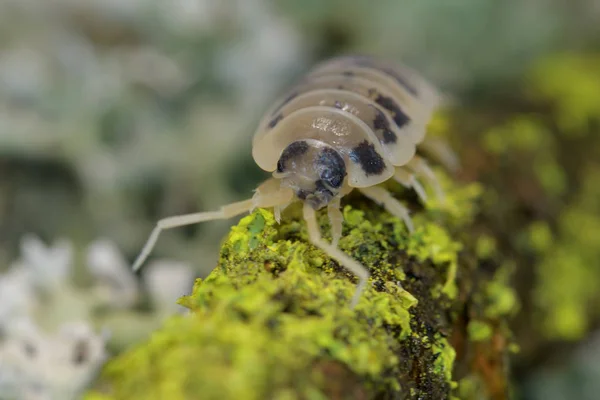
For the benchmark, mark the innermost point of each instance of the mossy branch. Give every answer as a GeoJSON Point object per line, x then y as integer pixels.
{"type": "Point", "coordinates": [273, 319]}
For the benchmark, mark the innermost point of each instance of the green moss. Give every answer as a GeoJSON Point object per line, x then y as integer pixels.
{"type": "Point", "coordinates": [97, 396]}
{"type": "Point", "coordinates": [542, 177]}
{"type": "Point", "coordinates": [550, 173]}
{"type": "Point", "coordinates": [434, 243]}
{"type": "Point", "coordinates": [259, 333]}
{"type": "Point", "coordinates": [446, 356]}
{"type": "Point", "coordinates": [431, 241]}
{"type": "Point", "coordinates": [529, 137]}
{"type": "Point", "coordinates": [273, 319]}
{"type": "Point", "coordinates": [567, 291]}
{"type": "Point", "coordinates": [572, 83]}
{"type": "Point", "coordinates": [500, 297]}
{"type": "Point", "coordinates": [470, 388]}
{"type": "Point", "coordinates": [520, 133]}
{"type": "Point", "coordinates": [540, 236]}
{"type": "Point", "coordinates": [479, 330]}
{"type": "Point", "coordinates": [440, 125]}
{"type": "Point", "coordinates": [458, 208]}
{"type": "Point", "coordinates": [485, 246]}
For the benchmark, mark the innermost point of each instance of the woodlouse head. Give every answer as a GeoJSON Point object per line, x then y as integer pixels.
{"type": "Point", "coordinates": [313, 169]}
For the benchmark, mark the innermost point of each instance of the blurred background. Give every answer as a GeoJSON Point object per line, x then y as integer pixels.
{"type": "Point", "coordinates": [116, 113]}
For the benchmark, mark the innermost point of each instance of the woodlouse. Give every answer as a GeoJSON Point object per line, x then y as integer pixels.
{"type": "Point", "coordinates": [353, 122]}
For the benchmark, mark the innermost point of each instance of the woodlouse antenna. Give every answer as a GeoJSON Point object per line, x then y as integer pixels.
{"type": "Point", "coordinates": [226, 212]}
{"type": "Point", "coordinates": [269, 194]}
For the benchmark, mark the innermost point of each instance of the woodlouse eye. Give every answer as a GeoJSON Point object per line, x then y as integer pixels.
{"type": "Point", "coordinates": [332, 168]}
{"type": "Point", "coordinates": [332, 179]}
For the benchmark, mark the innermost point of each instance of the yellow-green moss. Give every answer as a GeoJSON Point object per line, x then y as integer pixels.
{"type": "Point", "coordinates": [470, 388]}
{"type": "Point", "coordinates": [432, 242]}
{"type": "Point", "coordinates": [567, 291]}
{"type": "Point", "coordinates": [572, 83]}
{"type": "Point", "coordinates": [540, 236]}
{"type": "Point", "coordinates": [479, 330]}
{"type": "Point", "coordinates": [522, 132]}
{"type": "Point", "coordinates": [254, 336]}
{"type": "Point", "coordinates": [500, 297]}
{"type": "Point", "coordinates": [485, 246]}
{"type": "Point", "coordinates": [274, 315]}
{"type": "Point", "coordinates": [439, 126]}
{"type": "Point", "coordinates": [445, 361]}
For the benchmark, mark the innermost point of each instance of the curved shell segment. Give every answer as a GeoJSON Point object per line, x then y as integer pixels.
{"type": "Point", "coordinates": [342, 130]}
{"type": "Point", "coordinates": [397, 143]}
{"type": "Point", "coordinates": [404, 78]}
{"type": "Point", "coordinates": [372, 112]}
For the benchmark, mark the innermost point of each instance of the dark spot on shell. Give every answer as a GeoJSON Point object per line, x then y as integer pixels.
{"type": "Point", "coordinates": [381, 123]}
{"type": "Point", "coordinates": [370, 161]}
{"type": "Point", "coordinates": [331, 167]}
{"type": "Point", "coordinates": [275, 121]}
{"type": "Point", "coordinates": [293, 150]}
{"type": "Point", "coordinates": [338, 105]}
{"type": "Point", "coordinates": [400, 118]}
{"type": "Point", "coordinates": [389, 137]}
{"type": "Point", "coordinates": [348, 73]}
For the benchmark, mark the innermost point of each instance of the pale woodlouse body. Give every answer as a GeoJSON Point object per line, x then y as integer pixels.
{"type": "Point", "coordinates": [352, 123]}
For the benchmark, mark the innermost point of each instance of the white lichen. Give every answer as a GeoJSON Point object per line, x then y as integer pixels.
{"type": "Point", "coordinates": [114, 284]}
{"type": "Point", "coordinates": [54, 333]}
{"type": "Point", "coordinates": [166, 281]}
{"type": "Point", "coordinates": [38, 365]}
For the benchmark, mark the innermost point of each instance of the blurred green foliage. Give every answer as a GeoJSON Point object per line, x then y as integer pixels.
{"type": "Point", "coordinates": [114, 114]}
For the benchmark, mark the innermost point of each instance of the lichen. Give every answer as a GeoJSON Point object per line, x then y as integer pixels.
{"type": "Point", "coordinates": [273, 319]}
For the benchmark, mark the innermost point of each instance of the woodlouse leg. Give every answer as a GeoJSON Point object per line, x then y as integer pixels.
{"type": "Point", "coordinates": [346, 261]}
{"type": "Point", "coordinates": [409, 180]}
{"type": "Point", "coordinates": [269, 194]}
{"type": "Point", "coordinates": [420, 167]}
{"type": "Point", "coordinates": [441, 152]}
{"type": "Point", "coordinates": [336, 219]}
{"type": "Point", "coordinates": [383, 197]}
